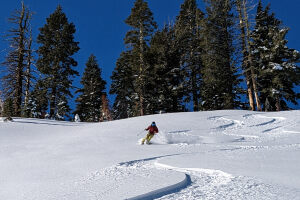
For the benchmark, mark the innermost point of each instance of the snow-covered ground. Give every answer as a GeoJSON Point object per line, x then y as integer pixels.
{"type": "Point", "coordinates": [202, 155]}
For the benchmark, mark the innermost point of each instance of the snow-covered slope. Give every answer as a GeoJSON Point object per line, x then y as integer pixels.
{"type": "Point", "coordinates": [202, 155]}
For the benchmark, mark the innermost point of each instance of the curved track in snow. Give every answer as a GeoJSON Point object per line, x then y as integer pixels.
{"type": "Point", "coordinates": [120, 179]}
{"type": "Point", "coordinates": [215, 184]}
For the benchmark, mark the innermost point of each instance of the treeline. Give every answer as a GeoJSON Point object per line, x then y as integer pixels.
{"type": "Point", "coordinates": [207, 60]}
{"type": "Point", "coordinates": [41, 87]}
{"type": "Point", "coordinates": [211, 59]}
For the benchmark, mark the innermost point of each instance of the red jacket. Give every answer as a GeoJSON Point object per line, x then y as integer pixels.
{"type": "Point", "coordinates": [152, 129]}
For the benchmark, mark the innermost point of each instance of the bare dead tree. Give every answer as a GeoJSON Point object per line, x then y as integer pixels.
{"type": "Point", "coordinates": [15, 61]}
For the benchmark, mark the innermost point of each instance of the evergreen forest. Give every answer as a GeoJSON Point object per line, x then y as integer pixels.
{"type": "Point", "coordinates": [216, 58]}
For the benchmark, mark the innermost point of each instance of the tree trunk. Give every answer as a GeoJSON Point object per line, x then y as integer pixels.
{"type": "Point", "coordinates": [258, 104]}
{"type": "Point", "coordinates": [19, 88]}
{"type": "Point", "coordinates": [194, 91]}
{"type": "Point", "coordinates": [250, 91]}
{"type": "Point", "coordinates": [175, 104]}
{"type": "Point", "coordinates": [278, 107]}
{"type": "Point", "coordinates": [253, 78]}
{"type": "Point", "coordinates": [53, 103]}
{"type": "Point", "coordinates": [245, 53]}
{"type": "Point", "coordinates": [28, 72]}
{"type": "Point", "coordinates": [105, 112]}
{"type": "Point", "coordinates": [20, 65]}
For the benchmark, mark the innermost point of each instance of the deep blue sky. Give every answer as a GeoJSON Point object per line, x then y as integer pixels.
{"type": "Point", "coordinates": [100, 24]}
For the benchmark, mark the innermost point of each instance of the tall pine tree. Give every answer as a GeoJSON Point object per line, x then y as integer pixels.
{"type": "Point", "coordinates": [89, 102]}
{"type": "Point", "coordinates": [187, 28]}
{"type": "Point", "coordinates": [55, 61]}
{"type": "Point", "coordinates": [220, 81]}
{"type": "Point", "coordinates": [143, 25]}
{"type": "Point", "coordinates": [273, 61]}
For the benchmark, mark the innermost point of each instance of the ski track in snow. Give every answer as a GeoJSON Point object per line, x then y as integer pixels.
{"type": "Point", "coordinates": [274, 128]}
{"type": "Point", "coordinates": [215, 184]}
{"type": "Point", "coordinates": [253, 122]}
{"type": "Point", "coordinates": [195, 183]}
{"type": "Point", "coordinates": [124, 174]}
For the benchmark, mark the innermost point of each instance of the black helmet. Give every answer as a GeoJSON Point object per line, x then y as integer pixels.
{"type": "Point", "coordinates": [153, 124]}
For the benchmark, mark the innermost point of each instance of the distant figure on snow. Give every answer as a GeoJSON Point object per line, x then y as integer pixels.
{"type": "Point", "coordinates": [152, 129]}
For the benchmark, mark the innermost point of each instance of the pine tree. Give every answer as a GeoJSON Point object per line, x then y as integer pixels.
{"type": "Point", "coordinates": [37, 101]}
{"type": "Point", "coordinates": [142, 23]}
{"type": "Point", "coordinates": [122, 86]}
{"type": "Point", "coordinates": [55, 61]}
{"type": "Point", "coordinates": [167, 79]}
{"type": "Point", "coordinates": [8, 108]}
{"type": "Point", "coordinates": [16, 58]}
{"type": "Point", "coordinates": [89, 102]}
{"type": "Point", "coordinates": [220, 81]}
{"type": "Point", "coordinates": [187, 28]}
{"type": "Point", "coordinates": [274, 62]}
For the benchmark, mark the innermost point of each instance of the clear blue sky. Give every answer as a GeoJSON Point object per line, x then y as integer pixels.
{"type": "Point", "coordinates": [100, 24]}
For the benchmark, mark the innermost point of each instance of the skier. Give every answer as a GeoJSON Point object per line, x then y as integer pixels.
{"type": "Point", "coordinates": [152, 129]}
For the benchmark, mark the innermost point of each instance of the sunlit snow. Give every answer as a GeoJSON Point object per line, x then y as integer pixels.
{"type": "Point", "coordinates": [200, 155]}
